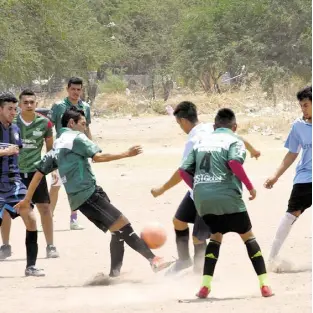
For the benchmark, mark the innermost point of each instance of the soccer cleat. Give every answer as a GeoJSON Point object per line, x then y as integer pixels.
{"type": "Point", "coordinates": [33, 271]}
{"type": "Point", "coordinates": [158, 264]}
{"type": "Point", "coordinates": [5, 252]}
{"type": "Point", "coordinates": [178, 266]}
{"type": "Point", "coordinates": [266, 291]}
{"type": "Point", "coordinates": [52, 252]}
{"type": "Point", "coordinates": [74, 225]}
{"type": "Point", "coordinates": [203, 292]}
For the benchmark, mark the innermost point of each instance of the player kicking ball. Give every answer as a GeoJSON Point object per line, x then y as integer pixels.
{"type": "Point", "coordinates": [214, 170]}
{"type": "Point", "coordinates": [70, 156]}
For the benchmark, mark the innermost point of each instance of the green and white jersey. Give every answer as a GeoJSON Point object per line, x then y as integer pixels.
{"type": "Point", "coordinates": [59, 108]}
{"type": "Point", "coordinates": [216, 189]}
{"type": "Point", "coordinates": [33, 136]}
{"type": "Point", "coordinates": [70, 155]}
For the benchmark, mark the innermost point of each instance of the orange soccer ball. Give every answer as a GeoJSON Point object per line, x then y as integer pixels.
{"type": "Point", "coordinates": [154, 235]}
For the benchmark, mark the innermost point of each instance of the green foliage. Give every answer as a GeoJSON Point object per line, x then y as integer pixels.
{"type": "Point", "coordinates": [113, 83]}
{"type": "Point", "coordinates": [193, 41]}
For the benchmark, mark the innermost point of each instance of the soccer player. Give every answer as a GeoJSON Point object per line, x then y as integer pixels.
{"type": "Point", "coordinates": [214, 170]}
{"type": "Point", "coordinates": [300, 137]}
{"type": "Point", "coordinates": [74, 89]}
{"type": "Point", "coordinates": [35, 130]}
{"type": "Point", "coordinates": [70, 155]}
{"type": "Point", "coordinates": [12, 188]}
{"type": "Point", "coordinates": [187, 118]}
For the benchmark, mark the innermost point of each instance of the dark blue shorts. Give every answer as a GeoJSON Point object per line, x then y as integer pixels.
{"type": "Point", "coordinates": [10, 195]}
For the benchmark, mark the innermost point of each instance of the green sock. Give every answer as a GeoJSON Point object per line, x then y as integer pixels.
{"type": "Point", "coordinates": [206, 281]}
{"type": "Point", "coordinates": [263, 280]}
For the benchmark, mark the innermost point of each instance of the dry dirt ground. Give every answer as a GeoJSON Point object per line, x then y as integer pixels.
{"type": "Point", "coordinates": [128, 183]}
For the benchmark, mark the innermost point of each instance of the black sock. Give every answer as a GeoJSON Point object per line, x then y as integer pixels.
{"type": "Point", "coordinates": [31, 247]}
{"type": "Point", "coordinates": [199, 253]}
{"type": "Point", "coordinates": [136, 243]}
{"type": "Point", "coordinates": [211, 256]}
{"type": "Point", "coordinates": [117, 252]}
{"type": "Point", "coordinates": [255, 256]}
{"type": "Point", "coordinates": [182, 243]}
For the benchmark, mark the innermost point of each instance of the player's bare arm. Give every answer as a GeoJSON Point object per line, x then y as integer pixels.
{"type": "Point", "coordinates": [288, 160]}
{"type": "Point", "coordinates": [88, 133]}
{"type": "Point", "coordinates": [25, 203]}
{"type": "Point", "coordinates": [107, 157]}
{"type": "Point", "coordinates": [254, 153]}
{"type": "Point", "coordinates": [174, 180]}
{"type": "Point", "coordinates": [11, 150]}
{"type": "Point", "coordinates": [49, 143]}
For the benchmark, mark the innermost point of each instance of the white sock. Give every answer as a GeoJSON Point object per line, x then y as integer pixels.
{"type": "Point", "coordinates": [282, 233]}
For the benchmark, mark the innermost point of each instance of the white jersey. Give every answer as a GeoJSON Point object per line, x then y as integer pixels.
{"type": "Point", "coordinates": [194, 135]}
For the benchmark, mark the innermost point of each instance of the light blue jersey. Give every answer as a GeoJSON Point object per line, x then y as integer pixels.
{"type": "Point", "coordinates": [300, 137]}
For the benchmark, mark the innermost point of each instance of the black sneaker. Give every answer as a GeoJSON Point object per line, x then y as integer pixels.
{"type": "Point", "coordinates": [52, 252]}
{"type": "Point", "coordinates": [5, 252]}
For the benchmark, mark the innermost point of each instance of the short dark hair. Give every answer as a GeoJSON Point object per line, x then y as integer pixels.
{"type": "Point", "coordinates": [26, 92]}
{"type": "Point", "coordinates": [75, 81]}
{"type": "Point", "coordinates": [71, 113]}
{"type": "Point", "coordinates": [225, 118]}
{"type": "Point", "coordinates": [187, 110]}
{"type": "Point", "coordinates": [305, 93]}
{"type": "Point", "coordinates": [7, 97]}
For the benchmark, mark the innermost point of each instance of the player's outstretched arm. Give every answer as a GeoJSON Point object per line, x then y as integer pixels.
{"type": "Point", "coordinates": [11, 150]}
{"type": "Point", "coordinates": [107, 157]}
{"type": "Point", "coordinates": [25, 203]}
{"type": "Point", "coordinates": [174, 180]}
{"type": "Point", "coordinates": [237, 168]}
{"type": "Point", "coordinates": [289, 158]}
{"type": "Point", "coordinates": [253, 152]}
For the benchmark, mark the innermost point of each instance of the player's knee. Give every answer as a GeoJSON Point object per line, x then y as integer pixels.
{"type": "Point", "coordinates": [29, 219]}
{"type": "Point", "coordinates": [44, 210]}
{"type": "Point", "coordinates": [179, 225]}
{"type": "Point", "coordinates": [296, 213]}
{"type": "Point", "coordinates": [197, 241]}
{"type": "Point", "coordinates": [218, 237]}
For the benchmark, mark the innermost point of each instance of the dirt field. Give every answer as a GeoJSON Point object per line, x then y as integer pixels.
{"type": "Point", "coordinates": [128, 183]}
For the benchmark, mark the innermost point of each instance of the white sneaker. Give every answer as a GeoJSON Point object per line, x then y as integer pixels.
{"type": "Point", "coordinates": [74, 225]}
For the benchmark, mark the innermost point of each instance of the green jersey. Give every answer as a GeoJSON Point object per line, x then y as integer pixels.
{"type": "Point", "coordinates": [216, 189]}
{"type": "Point", "coordinates": [70, 155]}
{"type": "Point", "coordinates": [59, 108]}
{"type": "Point", "coordinates": [33, 136]}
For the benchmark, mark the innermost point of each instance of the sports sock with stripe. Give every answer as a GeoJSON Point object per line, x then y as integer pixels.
{"type": "Point", "coordinates": [211, 257]}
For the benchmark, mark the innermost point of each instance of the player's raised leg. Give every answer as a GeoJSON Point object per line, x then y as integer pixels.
{"type": "Point", "coordinates": [105, 216]}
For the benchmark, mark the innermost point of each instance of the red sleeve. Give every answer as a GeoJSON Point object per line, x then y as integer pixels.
{"type": "Point", "coordinates": [239, 171]}
{"type": "Point", "coordinates": [187, 178]}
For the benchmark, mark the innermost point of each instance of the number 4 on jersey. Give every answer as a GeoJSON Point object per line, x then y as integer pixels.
{"type": "Point", "coordinates": [206, 162]}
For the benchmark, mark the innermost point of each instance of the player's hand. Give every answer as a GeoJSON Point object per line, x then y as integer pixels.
{"type": "Point", "coordinates": [55, 178]}
{"type": "Point", "coordinates": [255, 154]}
{"type": "Point", "coordinates": [156, 192]}
{"type": "Point", "coordinates": [133, 151]}
{"type": "Point", "coordinates": [270, 182]}
{"type": "Point", "coordinates": [252, 194]}
{"type": "Point", "coordinates": [11, 150]}
{"type": "Point", "coordinates": [22, 205]}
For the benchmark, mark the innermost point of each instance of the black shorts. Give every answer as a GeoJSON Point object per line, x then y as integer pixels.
{"type": "Point", "coordinates": [187, 213]}
{"type": "Point", "coordinates": [41, 194]}
{"type": "Point", "coordinates": [228, 223]}
{"type": "Point", "coordinates": [99, 210]}
{"type": "Point", "coordinates": [300, 198]}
